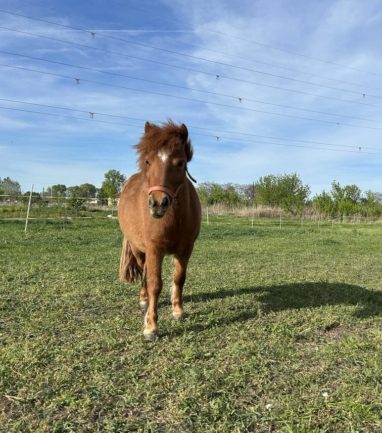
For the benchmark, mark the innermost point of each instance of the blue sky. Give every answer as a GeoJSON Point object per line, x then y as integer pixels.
{"type": "Point", "coordinates": [299, 88]}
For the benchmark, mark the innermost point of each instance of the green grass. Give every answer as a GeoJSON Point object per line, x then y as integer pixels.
{"type": "Point", "coordinates": [274, 317]}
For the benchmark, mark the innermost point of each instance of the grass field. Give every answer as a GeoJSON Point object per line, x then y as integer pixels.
{"type": "Point", "coordinates": [283, 332]}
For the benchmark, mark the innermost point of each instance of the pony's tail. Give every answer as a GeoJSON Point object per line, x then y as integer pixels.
{"type": "Point", "coordinates": [129, 270]}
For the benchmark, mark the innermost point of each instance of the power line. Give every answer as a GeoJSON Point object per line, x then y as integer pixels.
{"type": "Point", "coordinates": [217, 137]}
{"type": "Point", "coordinates": [174, 19]}
{"type": "Point", "coordinates": [90, 113]}
{"type": "Point", "coordinates": [76, 44]}
{"type": "Point", "coordinates": [63, 116]}
{"type": "Point", "coordinates": [287, 68]}
{"type": "Point", "coordinates": [188, 99]}
{"type": "Point", "coordinates": [286, 139]}
{"type": "Point", "coordinates": [216, 76]}
{"type": "Point", "coordinates": [328, 62]}
{"type": "Point", "coordinates": [252, 41]}
{"type": "Point", "coordinates": [306, 82]}
{"type": "Point", "coordinates": [243, 68]}
{"type": "Point", "coordinates": [205, 135]}
{"type": "Point", "coordinates": [236, 98]}
{"type": "Point", "coordinates": [102, 34]}
{"type": "Point", "coordinates": [290, 145]}
{"type": "Point", "coordinates": [301, 92]}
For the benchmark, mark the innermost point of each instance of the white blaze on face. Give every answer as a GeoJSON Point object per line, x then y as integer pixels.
{"type": "Point", "coordinates": [163, 156]}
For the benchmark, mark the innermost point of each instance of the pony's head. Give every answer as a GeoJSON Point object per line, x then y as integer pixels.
{"type": "Point", "coordinates": [164, 152]}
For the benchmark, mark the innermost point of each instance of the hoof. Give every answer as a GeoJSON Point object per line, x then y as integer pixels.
{"type": "Point", "coordinates": [178, 315]}
{"type": "Point", "coordinates": [143, 305]}
{"type": "Point", "coordinates": [150, 335]}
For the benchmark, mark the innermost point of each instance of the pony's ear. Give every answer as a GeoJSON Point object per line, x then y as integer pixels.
{"type": "Point", "coordinates": [184, 131]}
{"type": "Point", "coordinates": [148, 126]}
{"type": "Point", "coordinates": [188, 146]}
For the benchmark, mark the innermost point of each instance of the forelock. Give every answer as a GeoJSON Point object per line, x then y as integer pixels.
{"type": "Point", "coordinates": [165, 138]}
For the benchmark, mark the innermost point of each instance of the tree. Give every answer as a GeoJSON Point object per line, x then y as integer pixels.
{"type": "Point", "coordinates": [249, 193]}
{"type": "Point", "coordinates": [75, 200]}
{"type": "Point", "coordinates": [347, 192]}
{"type": "Point", "coordinates": [352, 193]}
{"type": "Point", "coordinates": [286, 191]}
{"type": "Point", "coordinates": [212, 193]}
{"type": "Point", "coordinates": [88, 190]}
{"type": "Point", "coordinates": [371, 206]}
{"type": "Point", "coordinates": [112, 184]}
{"type": "Point", "coordinates": [58, 190]}
{"type": "Point", "coordinates": [230, 194]}
{"type": "Point", "coordinates": [378, 197]}
{"type": "Point", "coordinates": [346, 199]}
{"type": "Point", "coordinates": [102, 197]}
{"type": "Point", "coordinates": [10, 187]}
{"type": "Point", "coordinates": [36, 197]}
{"type": "Point", "coordinates": [324, 204]}
{"type": "Point", "coordinates": [203, 191]}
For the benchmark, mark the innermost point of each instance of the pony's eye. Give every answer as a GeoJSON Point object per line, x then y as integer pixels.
{"type": "Point", "coordinates": [180, 163]}
{"type": "Point", "coordinates": [147, 162]}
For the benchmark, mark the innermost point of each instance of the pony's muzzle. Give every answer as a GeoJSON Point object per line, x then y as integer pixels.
{"type": "Point", "coordinates": [158, 204]}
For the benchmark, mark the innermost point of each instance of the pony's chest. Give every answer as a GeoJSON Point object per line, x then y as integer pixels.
{"type": "Point", "coordinates": [167, 237]}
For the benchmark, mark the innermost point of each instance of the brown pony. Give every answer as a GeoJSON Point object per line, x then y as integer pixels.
{"type": "Point", "coordinates": [159, 214]}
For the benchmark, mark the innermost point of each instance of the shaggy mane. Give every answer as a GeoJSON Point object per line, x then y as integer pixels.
{"type": "Point", "coordinates": [168, 136]}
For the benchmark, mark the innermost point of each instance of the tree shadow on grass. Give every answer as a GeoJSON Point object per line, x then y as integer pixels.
{"type": "Point", "coordinates": [290, 296]}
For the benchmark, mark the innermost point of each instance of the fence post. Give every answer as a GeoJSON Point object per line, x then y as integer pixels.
{"type": "Point", "coordinates": [280, 222]}
{"type": "Point", "coordinates": [208, 219]}
{"type": "Point", "coordinates": [29, 206]}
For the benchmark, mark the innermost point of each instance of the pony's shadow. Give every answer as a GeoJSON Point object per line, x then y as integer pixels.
{"type": "Point", "coordinates": [289, 296]}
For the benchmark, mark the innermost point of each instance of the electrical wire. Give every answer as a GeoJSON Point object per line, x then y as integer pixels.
{"type": "Point", "coordinates": [217, 62]}
{"type": "Point", "coordinates": [236, 98]}
{"type": "Point", "coordinates": [188, 99]}
{"type": "Point", "coordinates": [252, 41]}
{"type": "Point", "coordinates": [264, 73]}
{"type": "Point", "coordinates": [217, 137]}
{"type": "Point", "coordinates": [216, 76]}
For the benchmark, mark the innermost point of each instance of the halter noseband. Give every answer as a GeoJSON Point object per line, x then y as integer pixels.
{"type": "Point", "coordinates": [168, 191]}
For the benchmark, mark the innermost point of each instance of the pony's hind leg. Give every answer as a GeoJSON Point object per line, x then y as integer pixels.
{"type": "Point", "coordinates": [179, 277]}
{"type": "Point", "coordinates": [141, 259]}
{"type": "Point", "coordinates": [132, 265]}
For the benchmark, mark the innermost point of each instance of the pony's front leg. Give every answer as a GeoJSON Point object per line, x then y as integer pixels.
{"type": "Point", "coordinates": [179, 278]}
{"type": "Point", "coordinates": [143, 297]}
{"type": "Point", "coordinates": [154, 260]}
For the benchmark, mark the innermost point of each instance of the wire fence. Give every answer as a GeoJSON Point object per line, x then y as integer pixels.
{"type": "Point", "coordinates": [284, 222]}
{"type": "Point", "coordinates": [89, 208]}
{"type": "Point", "coordinates": [44, 207]}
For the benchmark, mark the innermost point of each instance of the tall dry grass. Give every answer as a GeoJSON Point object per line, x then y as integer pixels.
{"type": "Point", "coordinates": [261, 211]}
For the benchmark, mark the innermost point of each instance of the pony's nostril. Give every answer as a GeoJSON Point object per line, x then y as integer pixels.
{"type": "Point", "coordinates": [151, 202]}
{"type": "Point", "coordinates": [165, 202]}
